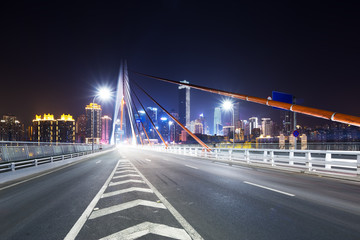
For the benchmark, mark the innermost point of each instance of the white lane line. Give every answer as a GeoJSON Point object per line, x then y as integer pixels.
{"type": "Point", "coordinates": [98, 162]}
{"type": "Point", "coordinates": [147, 159]}
{"type": "Point", "coordinates": [126, 181]}
{"type": "Point", "coordinates": [188, 228]}
{"type": "Point", "coordinates": [271, 189]}
{"type": "Point", "coordinates": [125, 168]}
{"type": "Point", "coordinates": [191, 166]}
{"type": "Point", "coordinates": [127, 175]}
{"type": "Point", "coordinates": [74, 231]}
{"type": "Point", "coordinates": [123, 206]}
{"type": "Point", "coordinates": [145, 228]}
{"type": "Point", "coordinates": [132, 189]}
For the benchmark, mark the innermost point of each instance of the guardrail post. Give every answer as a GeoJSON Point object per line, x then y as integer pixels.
{"type": "Point", "coordinates": [272, 160]}
{"type": "Point", "coordinates": [36, 162]}
{"type": "Point", "coordinates": [265, 156]}
{"type": "Point", "coordinates": [51, 159]}
{"type": "Point", "coordinates": [247, 156]}
{"type": "Point", "coordinates": [358, 164]}
{"type": "Point", "coordinates": [328, 160]}
{"type": "Point", "coordinates": [13, 166]}
{"type": "Point", "coordinates": [230, 154]}
{"type": "Point", "coordinates": [291, 157]}
{"type": "Point", "coordinates": [62, 157]}
{"type": "Point", "coordinates": [196, 151]}
{"type": "Point", "coordinates": [71, 156]}
{"type": "Point", "coordinates": [308, 161]}
{"type": "Point", "coordinates": [216, 153]}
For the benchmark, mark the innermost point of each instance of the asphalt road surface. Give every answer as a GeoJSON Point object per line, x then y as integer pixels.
{"type": "Point", "coordinates": [131, 193]}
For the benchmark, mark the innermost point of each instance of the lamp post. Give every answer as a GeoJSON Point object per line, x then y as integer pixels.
{"type": "Point", "coordinates": [104, 94]}
{"type": "Point", "coordinates": [228, 105]}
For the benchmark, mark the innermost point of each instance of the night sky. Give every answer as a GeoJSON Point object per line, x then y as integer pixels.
{"type": "Point", "coordinates": [55, 53]}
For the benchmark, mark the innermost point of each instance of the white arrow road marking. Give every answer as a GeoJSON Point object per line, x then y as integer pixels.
{"type": "Point", "coordinates": [188, 228]}
{"type": "Point", "coordinates": [148, 160]}
{"type": "Point", "coordinates": [149, 228]}
{"type": "Point", "coordinates": [125, 171]}
{"type": "Point", "coordinates": [125, 168]}
{"type": "Point", "coordinates": [74, 231]}
{"type": "Point", "coordinates": [127, 175]}
{"type": "Point", "coordinates": [271, 189]}
{"type": "Point", "coordinates": [132, 189]}
{"type": "Point", "coordinates": [123, 206]}
{"type": "Point", "coordinates": [126, 181]}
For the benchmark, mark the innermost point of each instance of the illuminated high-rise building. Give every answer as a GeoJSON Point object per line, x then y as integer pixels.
{"type": "Point", "coordinates": [11, 129]}
{"type": "Point", "coordinates": [184, 104]}
{"type": "Point", "coordinates": [253, 123]}
{"type": "Point", "coordinates": [65, 129]}
{"type": "Point", "coordinates": [80, 129]}
{"type": "Point", "coordinates": [217, 121]}
{"type": "Point", "coordinates": [267, 127]}
{"type": "Point", "coordinates": [106, 125]}
{"type": "Point", "coordinates": [93, 123]}
{"type": "Point", "coordinates": [44, 129]}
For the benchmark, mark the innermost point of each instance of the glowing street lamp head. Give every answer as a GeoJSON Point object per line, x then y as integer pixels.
{"type": "Point", "coordinates": [227, 105]}
{"type": "Point", "coordinates": [104, 93]}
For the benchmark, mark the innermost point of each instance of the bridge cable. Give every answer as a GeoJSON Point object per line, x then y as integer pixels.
{"type": "Point", "coordinates": [314, 112]}
{"type": "Point", "coordinates": [177, 121]}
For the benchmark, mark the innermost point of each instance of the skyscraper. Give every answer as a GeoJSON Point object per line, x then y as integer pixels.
{"type": "Point", "coordinates": [81, 128]}
{"type": "Point", "coordinates": [184, 104]}
{"type": "Point", "coordinates": [93, 123]}
{"type": "Point", "coordinates": [106, 129]}
{"type": "Point", "coordinates": [44, 129]}
{"type": "Point", "coordinates": [11, 129]}
{"type": "Point", "coordinates": [267, 127]}
{"type": "Point", "coordinates": [65, 129]}
{"type": "Point", "coordinates": [217, 121]}
{"type": "Point", "coordinates": [253, 123]}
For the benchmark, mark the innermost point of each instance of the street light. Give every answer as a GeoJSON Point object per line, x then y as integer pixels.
{"type": "Point", "coordinates": [104, 94]}
{"type": "Point", "coordinates": [228, 105]}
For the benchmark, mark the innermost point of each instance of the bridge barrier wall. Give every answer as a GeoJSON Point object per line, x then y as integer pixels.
{"type": "Point", "coordinates": [346, 163]}
{"type": "Point", "coordinates": [53, 154]}
{"type": "Point", "coordinates": [17, 151]}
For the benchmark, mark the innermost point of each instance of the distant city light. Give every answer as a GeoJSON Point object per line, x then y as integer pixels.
{"type": "Point", "coordinates": [202, 115]}
{"type": "Point", "coordinates": [163, 118]}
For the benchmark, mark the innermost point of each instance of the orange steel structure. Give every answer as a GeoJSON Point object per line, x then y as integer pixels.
{"type": "Point", "coordinates": [177, 121]}
{"type": "Point", "coordinates": [329, 115]}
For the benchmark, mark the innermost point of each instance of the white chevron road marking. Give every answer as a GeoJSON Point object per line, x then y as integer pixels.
{"type": "Point", "coordinates": [127, 175]}
{"type": "Point", "coordinates": [125, 171]}
{"type": "Point", "coordinates": [132, 189]}
{"type": "Point", "coordinates": [145, 228]}
{"type": "Point", "coordinates": [125, 181]}
{"type": "Point", "coordinates": [123, 206]}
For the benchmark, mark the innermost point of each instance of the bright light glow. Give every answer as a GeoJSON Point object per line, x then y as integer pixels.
{"type": "Point", "coordinates": [170, 123]}
{"type": "Point", "coordinates": [227, 105]}
{"type": "Point", "coordinates": [163, 118]}
{"type": "Point", "coordinates": [104, 93]}
{"type": "Point", "coordinates": [202, 115]}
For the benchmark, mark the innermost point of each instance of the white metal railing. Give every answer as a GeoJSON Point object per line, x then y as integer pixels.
{"type": "Point", "coordinates": [12, 166]}
{"type": "Point", "coordinates": [329, 161]}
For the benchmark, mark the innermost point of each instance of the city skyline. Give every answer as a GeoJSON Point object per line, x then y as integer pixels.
{"type": "Point", "coordinates": [55, 56]}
